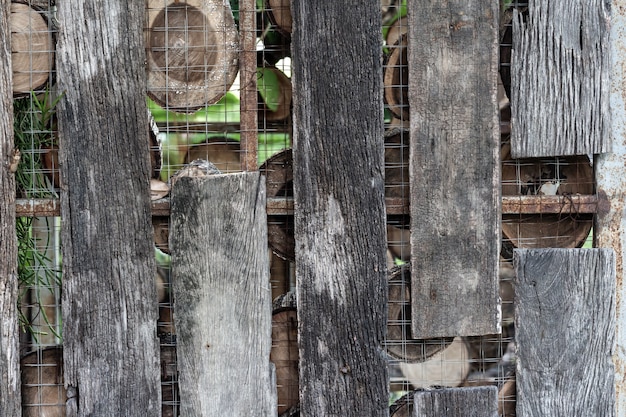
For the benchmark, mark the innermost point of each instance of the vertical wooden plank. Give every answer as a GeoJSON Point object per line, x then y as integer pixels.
{"type": "Point", "coordinates": [111, 352]}
{"type": "Point", "coordinates": [222, 296]}
{"type": "Point", "coordinates": [9, 352]}
{"type": "Point", "coordinates": [609, 228]}
{"type": "Point", "coordinates": [565, 331]}
{"type": "Point", "coordinates": [560, 70]}
{"type": "Point", "coordinates": [454, 167]}
{"type": "Point", "coordinates": [457, 402]}
{"type": "Point", "coordinates": [340, 216]}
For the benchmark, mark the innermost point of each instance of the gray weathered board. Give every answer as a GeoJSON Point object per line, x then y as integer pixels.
{"type": "Point", "coordinates": [456, 402]}
{"type": "Point", "coordinates": [111, 352]}
{"type": "Point", "coordinates": [560, 78]}
{"type": "Point", "coordinates": [222, 296]}
{"type": "Point", "coordinates": [340, 220]}
{"type": "Point", "coordinates": [565, 331]}
{"type": "Point", "coordinates": [9, 353]}
{"type": "Point", "coordinates": [454, 161]}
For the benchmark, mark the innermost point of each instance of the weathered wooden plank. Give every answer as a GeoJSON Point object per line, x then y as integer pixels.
{"type": "Point", "coordinates": [454, 175]}
{"type": "Point", "coordinates": [9, 352]}
{"type": "Point", "coordinates": [111, 352]}
{"type": "Point", "coordinates": [457, 402]}
{"type": "Point", "coordinates": [340, 217]}
{"type": "Point", "coordinates": [222, 296]}
{"type": "Point", "coordinates": [560, 71]}
{"type": "Point", "coordinates": [565, 331]}
{"type": "Point", "coordinates": [609, 229]}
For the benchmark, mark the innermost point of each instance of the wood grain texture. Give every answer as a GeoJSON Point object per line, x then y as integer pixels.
{"type": "Point", "coordinates": [111, 352]}
{"type": "Point", "coordinates": [560, 77]}
{"type": "Point", "coordinates": [222, 296]}
{"type": "Point", "coordinates": [340, 217]}
{"type": "Point", "coordinates": [565, 331]}
{"type": "Point", "coordinates": [454, 167]}
{"type": "Point", "coordinates": [9, 353]}
{"type": "Point", "coordinates": [456, 402]}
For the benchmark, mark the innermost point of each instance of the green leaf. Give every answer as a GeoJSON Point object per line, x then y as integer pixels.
{"type": "Point", "coordinates": [269, 87]}
{"type": "Point", "coordinates": [224, 111]}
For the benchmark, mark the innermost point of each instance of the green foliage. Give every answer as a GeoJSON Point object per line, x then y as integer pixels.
{"type": "Point", "coordinates": [269, 87]}
{"type": "Point", "coordinates": [33, 124]}
{"type": "Point", "coordinates": [33, 130]}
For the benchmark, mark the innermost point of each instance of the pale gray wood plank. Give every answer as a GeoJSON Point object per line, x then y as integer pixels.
{"type": "Point", "coordinates": [111, 352]}
{"type": "Point", "coordinates": [454, 168]}
{"type": "Point", "coordinates": [565, 332]}
{"type": "Point", "coordinates": [340, 217]}
{"type": "Point", "coordinates": [10, 403]}
{"type": "Point", "coordinates": [560, 78]}
{"type": "Point", "coordinates": [222, 295]}
{"type": "Point", "coordinates": [456, 402]}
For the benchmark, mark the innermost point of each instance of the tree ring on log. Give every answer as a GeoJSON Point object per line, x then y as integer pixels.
{"type": "Point", "coordinates": [220, 151]}
{"type": "Point", "coordinates": [399, 344]}
{"type": "Point", "coordinates": [192, 54]}
{"type": "Point", "coordinates": [279, 13]}
{"type": "Point", "coordinates": [284, 353]}
{"type": "Point", "coordinates": [32, 49]}
{"type": "Point", "coordinates": [278, 171]}
{"type": "Point", "coordinates": [42, 383]}
{"type": "Point", "coordinates": [561, 175]}
{"type": "Point", "coordinates": [396, 79]}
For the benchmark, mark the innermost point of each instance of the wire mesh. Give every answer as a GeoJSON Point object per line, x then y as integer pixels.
{"type": "Point", "coordinates": [197, 112]}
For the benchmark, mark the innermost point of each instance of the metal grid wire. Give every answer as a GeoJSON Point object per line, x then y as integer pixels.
{"type": "Point", "coordinates": [197, 112]}
{"type": "Point", "coordinates": [33, 33]}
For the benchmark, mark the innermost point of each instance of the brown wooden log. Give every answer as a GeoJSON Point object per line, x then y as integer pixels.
{"type": "Point", "coordinates": [399, 343]}
{"type": "Point", "coordinates": [448, 368]}
{"type": "Point", "coordinates": [564, 176]}
{"type": "Point", "coordinates": [220, 151]}
{"type": "Point", "coordinates": [283, 106]}
{"type": "Point", "coordinates": [278, 171]}
{"type": "Point", "coordinates": [284, 355]}
{"type": "Point", "coordinates": [507, 398]}
{"type": "Point", "coordinates": [396, 79]}
{"type": "Point", "coordinates": [192, 53]}
{"type": "Point", "coordinates": [32, 48]}
{"type": "Point", "coordinates": [43, 393]}
{"type": "Point", "coordinates": [279, 12]}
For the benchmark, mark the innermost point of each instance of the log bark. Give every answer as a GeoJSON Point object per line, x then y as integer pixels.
{"type": "Point", "coordinates": [565, 331]}
{"type": "Point", "coordinates": [457, 402]}
{"type": "Point", "coordinates": [221, 291]}
{"type": "Point", "coordinates": [560, 73]}
{"type": "Point", "coordinates": [9, 352]}
{"type": "Point", "coordinates": [109, 306]}
{"type": "Point", "coordinates": [454, 175]}
{"type": "Point", "coordinates": [340, 221]}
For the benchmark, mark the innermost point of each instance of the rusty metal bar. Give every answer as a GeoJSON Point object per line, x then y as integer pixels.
{"type": "Point", "coordinates": [247, 79]}
{"type": "Point", "coordinates": [610, 170]}
{"type": "Point", "coordinates": [549, 204]}
{"type": "Point", "coordinates": [574, 204]}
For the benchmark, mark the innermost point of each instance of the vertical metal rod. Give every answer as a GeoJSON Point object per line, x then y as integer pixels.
{"type": "Point", "coordinates": [247, 78]}
{"type": "Point", "coordinates": [610, 224]}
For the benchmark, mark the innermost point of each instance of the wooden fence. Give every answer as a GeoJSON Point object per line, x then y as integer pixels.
{"type": "Point", "coordinates": [450, 181]}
